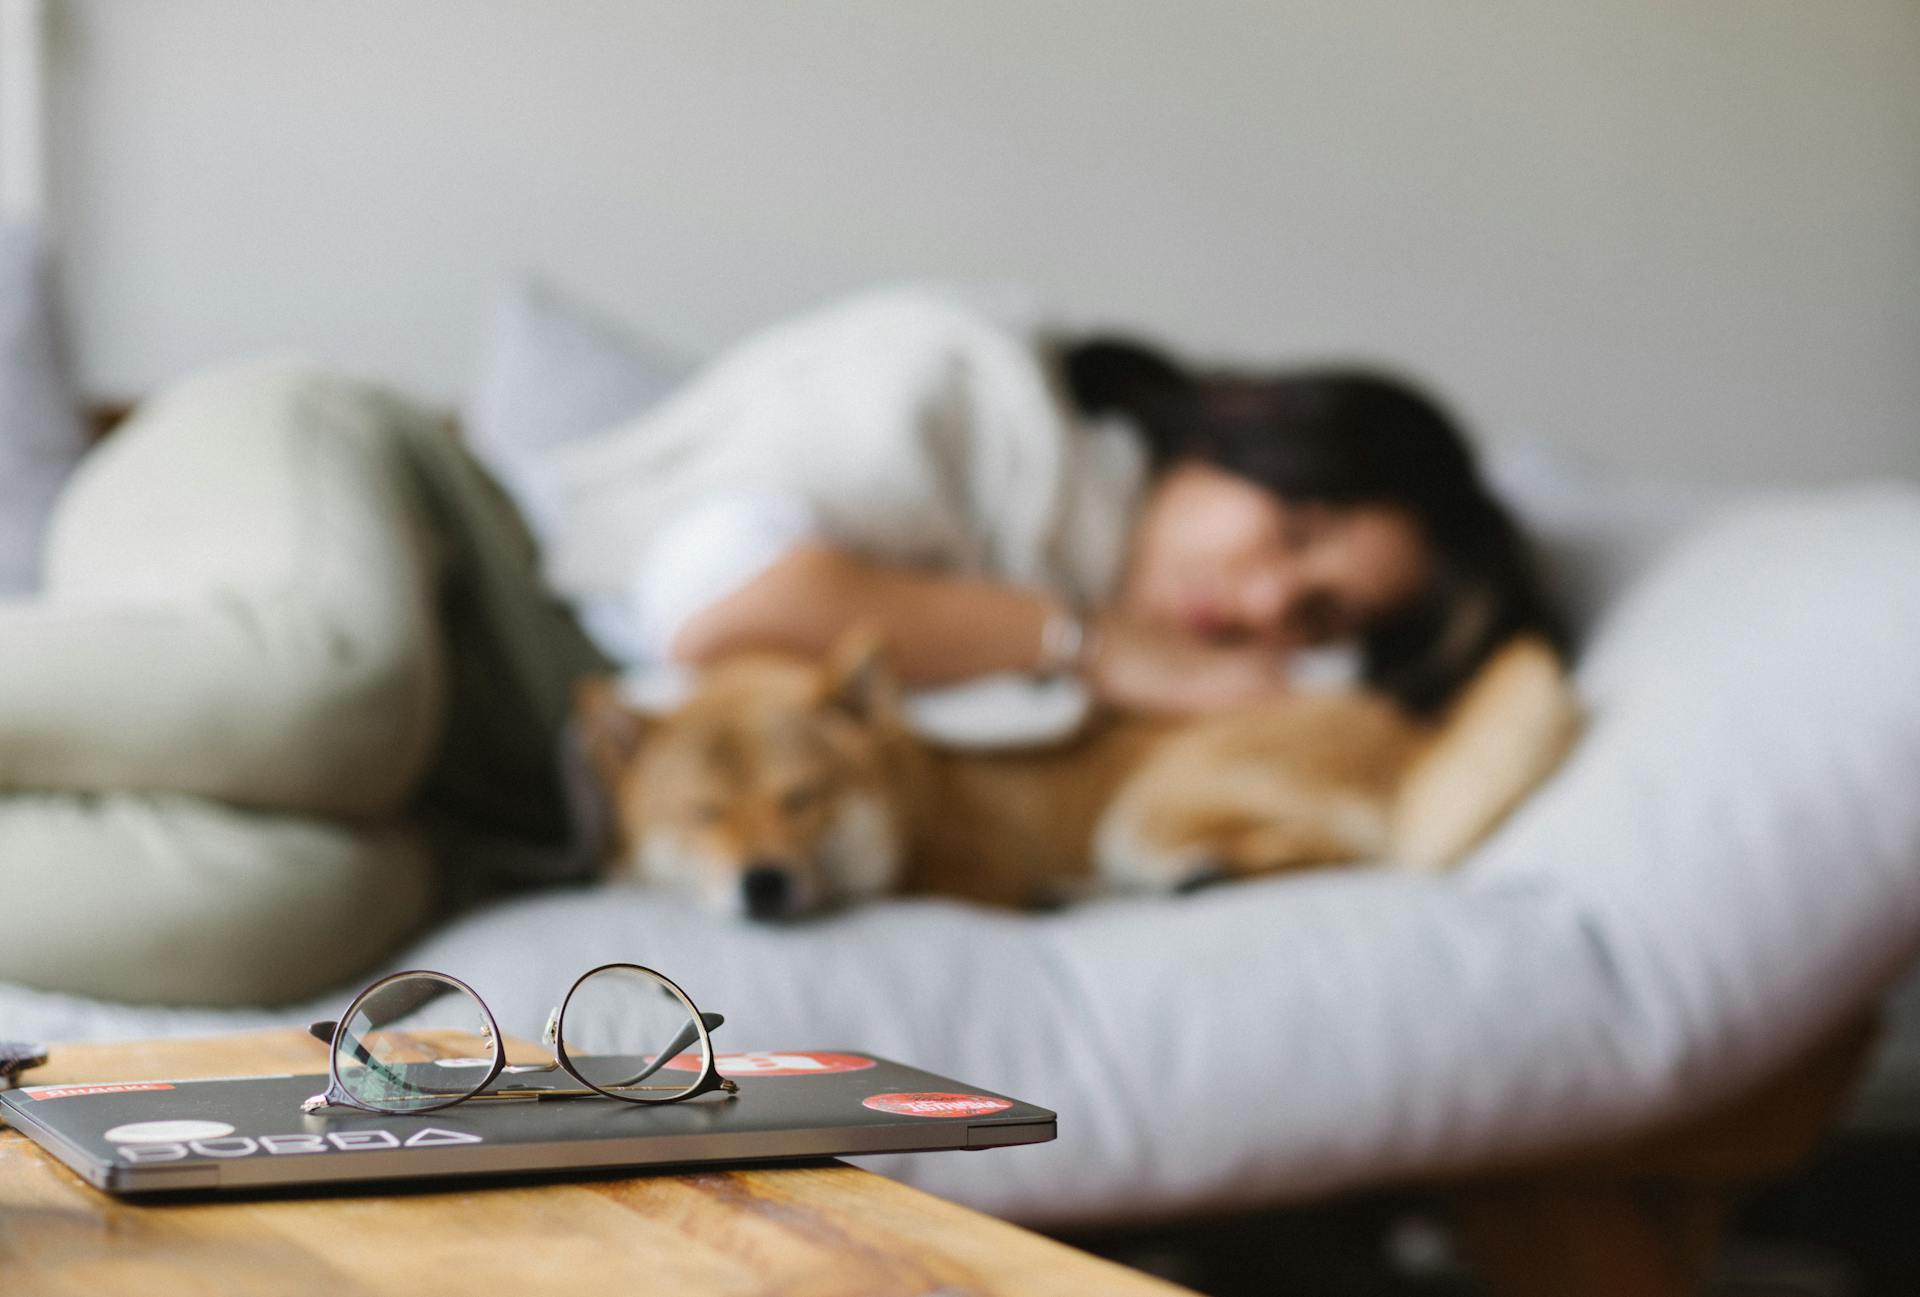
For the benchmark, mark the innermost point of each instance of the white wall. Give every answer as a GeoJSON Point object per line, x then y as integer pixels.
{"type": "Point", "coordinates": [1684, 236]}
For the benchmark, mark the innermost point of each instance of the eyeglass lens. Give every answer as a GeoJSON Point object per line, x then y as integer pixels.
{"type": "Point", "coordinates": [387, 1058]}
{"type": "Point", "coordinates": [624, 1027]}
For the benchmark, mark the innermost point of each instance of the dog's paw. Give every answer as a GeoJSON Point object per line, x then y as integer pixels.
{"type": "Point", "coordinates": [1225, 848]}
{"type": "Point", "coordinates": [1127, 860]}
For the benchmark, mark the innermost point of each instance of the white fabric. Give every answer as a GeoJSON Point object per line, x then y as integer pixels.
{"type": "Point", "coordinates": [908, 424]}
{"type": "Point", "coordinates": [553, 366]}
{"type": "Point", "coordinates": [912, 426]}
{"type": "Point", "coordinates": [1730, 861]}
{"type": "Point", "coordinates": [41, 437]}
{"type": "Point", "coordinates": [555, 373]}
{"type": "Point", "coordinates": [708, 550]}
{"type": "Point", "coordinates": [1001, 711]}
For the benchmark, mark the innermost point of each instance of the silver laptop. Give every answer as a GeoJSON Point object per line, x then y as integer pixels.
{"type": "Point", "coordinates": [137, 1137]}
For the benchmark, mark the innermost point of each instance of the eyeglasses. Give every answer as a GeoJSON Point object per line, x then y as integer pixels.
{"type": "Point", "coordinates": [381, 1064]}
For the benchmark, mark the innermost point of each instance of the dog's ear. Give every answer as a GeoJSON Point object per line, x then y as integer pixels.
{"type": "Point", "coordinates": [611, 731]}
{"type": "Point", "coordinates": [856, 678]}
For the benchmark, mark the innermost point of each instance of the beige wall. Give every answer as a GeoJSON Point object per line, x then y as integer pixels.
{"type": "Point", "coordinates": [1678, 235]}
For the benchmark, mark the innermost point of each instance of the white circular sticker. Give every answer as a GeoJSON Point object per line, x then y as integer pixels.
{"type": "Point", "coordinates": [143, 1132]}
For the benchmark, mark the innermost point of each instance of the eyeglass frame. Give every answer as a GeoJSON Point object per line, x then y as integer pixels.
{"type": "Point", "coordinates": [709, 1080]}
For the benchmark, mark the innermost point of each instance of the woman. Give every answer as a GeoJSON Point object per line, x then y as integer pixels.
{"type": "Point", "coordinates": [290, 635]}
{"type": "Point", "coordinates": [1000, 501]}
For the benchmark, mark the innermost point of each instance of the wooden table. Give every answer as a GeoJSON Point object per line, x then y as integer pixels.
{"type": "Point", "coordinates": [815, 1230]}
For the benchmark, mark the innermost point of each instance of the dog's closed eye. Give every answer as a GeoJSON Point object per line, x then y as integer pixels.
{"type": "Point", "coordinates": [802, 798]}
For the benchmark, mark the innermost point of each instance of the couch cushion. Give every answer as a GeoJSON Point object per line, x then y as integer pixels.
{"type": "Point", "coordinates": [551, 371]}
{"type": "Point", "coordinates": [1728, 864]}
{"type": "Point", "coordinates": [41, 436]}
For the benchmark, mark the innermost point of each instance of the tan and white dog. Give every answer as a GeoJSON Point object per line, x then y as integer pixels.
{"type": "Point", "coordinates": [783, 786]}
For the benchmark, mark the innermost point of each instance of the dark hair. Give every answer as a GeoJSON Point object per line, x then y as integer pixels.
{"type": "Point", "coordinates": [1345, 436]}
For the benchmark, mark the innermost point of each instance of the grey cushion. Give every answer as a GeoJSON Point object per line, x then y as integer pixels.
{"type": "Point", "coordinates": [553, 370]}
{"type": "Point", "coordinates": [41, 435]}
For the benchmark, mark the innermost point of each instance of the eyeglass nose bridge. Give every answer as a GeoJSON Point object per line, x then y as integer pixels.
{"type": "Point", "coordinates": [550, 1034]}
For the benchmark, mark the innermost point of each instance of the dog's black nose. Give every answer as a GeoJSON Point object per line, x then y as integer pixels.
{"type": "Point", "coordinates": [766, 889]}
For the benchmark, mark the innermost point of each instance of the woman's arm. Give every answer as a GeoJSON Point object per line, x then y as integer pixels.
{"type": "Point", "coordinates": [945, 628]}
{"type": "Point", "coordinates": [938, 628]}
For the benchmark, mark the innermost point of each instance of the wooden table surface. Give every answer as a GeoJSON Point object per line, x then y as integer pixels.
{"type": "Point", "coordinates": [816, 1230]}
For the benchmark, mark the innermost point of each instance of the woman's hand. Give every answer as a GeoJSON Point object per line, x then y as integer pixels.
{"type": "Point", "coordinates": [1147, 667]}
{"type": "Point", "coordinates": [938, 628]}
{"type": "Point", "coordinates": [943, 628]}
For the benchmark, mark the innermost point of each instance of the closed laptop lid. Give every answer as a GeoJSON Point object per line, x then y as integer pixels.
{"type": "Point", "coordinates": [160, 1135]}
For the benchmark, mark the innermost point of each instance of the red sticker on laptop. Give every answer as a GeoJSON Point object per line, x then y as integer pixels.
{"type": "Point", "coordinates": [776, 1063]}
{"type": "Point", "coordinates": [937, 1105]}
{"type": "Point", "coordinates": [80, 1091]}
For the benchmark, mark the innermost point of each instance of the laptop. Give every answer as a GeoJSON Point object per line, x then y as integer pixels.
{"type": "Point", "coordinates": [142, 1137]}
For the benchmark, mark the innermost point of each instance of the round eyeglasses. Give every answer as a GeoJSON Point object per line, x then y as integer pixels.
{"type": "Point", "coordinates": [624, 1032]}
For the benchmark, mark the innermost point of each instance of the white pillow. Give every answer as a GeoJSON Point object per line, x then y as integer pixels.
{"type": "Point", "coordinates": [553, 370]}
{"type": "Point", "coordinates": [41, 435]}
{"type": "Point", "coordinates": [1594, 528]}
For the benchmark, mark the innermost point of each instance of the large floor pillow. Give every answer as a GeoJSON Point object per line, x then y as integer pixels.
{"type": "Point", "coordinates": [1729, 862]}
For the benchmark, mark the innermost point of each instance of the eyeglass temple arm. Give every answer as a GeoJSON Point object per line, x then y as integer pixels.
{"type": "Point", "coordinates": [712, 1022]}
{"type": "Point", "coordinates": [324, 1031]}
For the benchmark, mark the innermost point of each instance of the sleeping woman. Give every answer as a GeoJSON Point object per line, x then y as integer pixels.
{"type": "Point", "coordinates": [293, 639]}
{"type": "Point", "coordinates": [1001, 501]}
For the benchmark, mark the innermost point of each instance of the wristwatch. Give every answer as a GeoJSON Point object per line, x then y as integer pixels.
{"type": "Point", "coordinates": [16, 1056]}
{"type": "Point", "coordinates": [1067, 641]}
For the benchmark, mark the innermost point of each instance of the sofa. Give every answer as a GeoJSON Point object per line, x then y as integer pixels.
{"type": "Point", "coordinates": [1725, 871]}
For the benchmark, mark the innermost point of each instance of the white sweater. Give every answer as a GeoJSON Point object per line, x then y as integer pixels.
{"type": "Point", "coordinates": [904, 424]}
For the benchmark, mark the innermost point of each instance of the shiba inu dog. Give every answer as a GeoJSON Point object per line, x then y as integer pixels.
{"type": "Point", "coordinates": [783, 786]}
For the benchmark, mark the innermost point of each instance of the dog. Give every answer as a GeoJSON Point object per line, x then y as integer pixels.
{"type": "Point", "coordinates": [783, 786]}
